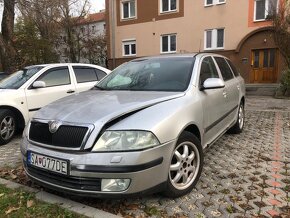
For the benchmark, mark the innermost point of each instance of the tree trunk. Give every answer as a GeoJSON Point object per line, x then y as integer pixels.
{"type": "Point", "coordinates": [7, 51]}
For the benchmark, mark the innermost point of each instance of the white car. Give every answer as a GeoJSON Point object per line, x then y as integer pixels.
{"type": "Point", "coordinates": [28, 90]}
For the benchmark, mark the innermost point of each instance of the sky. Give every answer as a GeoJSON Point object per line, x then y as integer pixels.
{"type": "Point", "coordinates": [97, 5]}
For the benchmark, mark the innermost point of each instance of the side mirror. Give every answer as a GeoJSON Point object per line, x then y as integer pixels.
{"type": "Point", "coordinates": [38, 84]}
{"type": "Point", "coordinates": [213, 83]}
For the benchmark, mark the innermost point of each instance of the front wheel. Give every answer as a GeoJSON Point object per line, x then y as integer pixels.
{"type": "Point", "coordinates": [185, 167]}
{"type": "Point", "coordinates": [7, 126]}
{"type": "Point", "coordinates": [239, 125]}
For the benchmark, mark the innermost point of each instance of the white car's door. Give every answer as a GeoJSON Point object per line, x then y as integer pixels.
{"type": "Point", "coordinates": [213, 101]}
{"type": "Point", "coordinates": [87, 77]}
{"type": "Point", "coordinates": [231, 90]}
{"type": "Point", "coordinates": [58, 85]}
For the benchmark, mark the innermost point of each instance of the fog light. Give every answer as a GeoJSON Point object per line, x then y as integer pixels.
{"type": "Point", "coordinates": [115, 185]}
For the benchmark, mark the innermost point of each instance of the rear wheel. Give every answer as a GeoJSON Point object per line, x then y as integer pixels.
{"type": "Point", "coordinates": [185, 167]}
{"type": "Point", "coordinates": [7, 126]}
{"type": "Point", "coordinates": [239, 125]}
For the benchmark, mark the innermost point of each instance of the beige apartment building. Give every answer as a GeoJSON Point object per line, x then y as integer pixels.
{"type": "Point", "coordinates": [238, 29]}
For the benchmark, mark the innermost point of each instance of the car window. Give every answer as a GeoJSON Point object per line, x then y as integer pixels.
{"type": "Point", "coordinates": [234, 69]}
{"type": "Point", "coordinates": [224, 68]}
{"type": "Point", "coordinates": [100, 74]}
{"type": "Point", "coordinates": [156, 74]}
{"type": "Point", "coordinates": [207, 70]}
{"type": "Point", "coordinates": [55, 77]}
{"type": "Point", "coordinates": [85, 74]}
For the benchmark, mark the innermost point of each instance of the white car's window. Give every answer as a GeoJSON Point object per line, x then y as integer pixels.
{"type": "Point", "coordinates": [16, 80]}
{"type": "Point", "coordinates": [100, 74]}
{"type": "Point", "coordinates": [157, 74]}
{"type": "Point", "coordinates": [85, 74]}
{"type": "Point", "coordinates": [207, 70]}
{"type": "Point", "coordinates": [224, 68]}
{"type": "Point", "coordinates": [55, 77]}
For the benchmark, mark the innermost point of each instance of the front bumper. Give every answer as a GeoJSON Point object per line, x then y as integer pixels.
{"type": "Point", "coordinates": [147, 170]}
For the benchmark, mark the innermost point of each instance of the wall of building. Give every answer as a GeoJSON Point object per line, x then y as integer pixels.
{"type": "Point", "coordinates": [189, 28]}
{"type": "Point", "coordinates": [190, 22]}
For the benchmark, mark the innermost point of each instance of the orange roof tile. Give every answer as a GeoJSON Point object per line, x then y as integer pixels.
{"type": "Point", "coordinates": [92, 18]}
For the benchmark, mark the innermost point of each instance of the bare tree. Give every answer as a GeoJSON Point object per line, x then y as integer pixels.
{"type": "Point", "coordinates": [73, 11]}
{"type": "Point", "coordinates": [8, 54]}
{"type": "Point", "coordinates": [281, 25]}
{"type": "Point", "coordinates": [95, 49]}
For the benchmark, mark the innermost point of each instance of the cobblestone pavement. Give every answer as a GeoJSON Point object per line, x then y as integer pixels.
{"type": "Point", "coordinates": [10, 153]}
{"type": "Point", "coordinates": [245, 175]}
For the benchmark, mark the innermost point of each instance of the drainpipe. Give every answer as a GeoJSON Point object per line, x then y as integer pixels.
{"type": "Point", "coordinates": [113, 34]}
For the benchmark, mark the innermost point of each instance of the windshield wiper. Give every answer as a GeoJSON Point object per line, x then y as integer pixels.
{"type": "Point", "coordinates": [98, 87]}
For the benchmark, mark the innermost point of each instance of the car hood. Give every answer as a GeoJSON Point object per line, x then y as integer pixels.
{"type": "Point", "coordinates": [100, 107]}
{"type": "Point", "coordinates": [5, 91]}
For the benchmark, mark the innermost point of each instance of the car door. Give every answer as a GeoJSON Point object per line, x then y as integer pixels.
{"type": "Point", "coordinates": [231, 90]}
{"type": "Point", "coordinates": [58, 85]}
{"type": "Point", "coordinates": [87, 77]}
{"type": "Point", "coordinates": [213, 101]}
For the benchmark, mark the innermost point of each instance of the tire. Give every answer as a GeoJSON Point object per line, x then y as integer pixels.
{"type": "Point", "coordinates": [7, 126]}
{"type": "Point", "coordinates": [239, 125]}
{"type": "Point", "coordinates": [183, 166]}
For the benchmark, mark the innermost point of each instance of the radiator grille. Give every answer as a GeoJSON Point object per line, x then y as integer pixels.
{"type": "Point", "coordinates": [66, 136]}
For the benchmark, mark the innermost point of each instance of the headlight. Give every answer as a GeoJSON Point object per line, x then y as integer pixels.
{"type": "Point", "coordinates": [125, 140]}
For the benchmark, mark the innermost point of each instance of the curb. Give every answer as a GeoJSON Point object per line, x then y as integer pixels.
{"type": "Point", "coordinates": [73, 206]}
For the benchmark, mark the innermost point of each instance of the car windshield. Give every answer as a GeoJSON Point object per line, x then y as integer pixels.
{"type": "Point", "coordinates": [157, 74]}
{"type": "Point", "coordinates": [16, 80]}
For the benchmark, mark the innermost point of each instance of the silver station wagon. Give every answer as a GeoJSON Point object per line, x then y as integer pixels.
{"type": "Point", "coordinates": [143, 128]}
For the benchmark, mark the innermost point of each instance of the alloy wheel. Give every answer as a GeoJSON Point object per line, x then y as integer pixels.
{"type": "Point", "coordinates": [7, 127]}
{"type": "Point", "coordinates": [241, 117]}
{"type": "Point", "coordinates": [184, 165]}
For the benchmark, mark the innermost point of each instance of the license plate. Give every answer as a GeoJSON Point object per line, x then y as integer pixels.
{"type": "Point", "coordinates": [48, 163]}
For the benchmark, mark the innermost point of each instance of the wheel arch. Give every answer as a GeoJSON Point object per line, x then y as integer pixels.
{"type": "Point", "coordinates": [193, 128]}
{"type": "Point", "coordinates": [18, 114]}
{"type": "Point", "coordinates": [243, 100]}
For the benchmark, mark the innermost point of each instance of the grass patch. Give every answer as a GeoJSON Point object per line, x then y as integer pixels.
{"type": "Point", "coordinates": [17, 203]}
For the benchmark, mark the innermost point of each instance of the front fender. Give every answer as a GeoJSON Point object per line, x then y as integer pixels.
{"type": "Point", "coordinates": [166, 120]}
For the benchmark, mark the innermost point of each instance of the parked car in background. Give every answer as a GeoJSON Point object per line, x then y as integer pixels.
{"type": "Point", "coordinates": [28, 90]}
{"type": "Point", "coordinates": [142, 129]}
{"type": "Point", "coordinates": [3, 75]}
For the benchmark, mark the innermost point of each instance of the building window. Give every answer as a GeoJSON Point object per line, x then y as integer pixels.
{"type": "Point", "coordinates": [168, 5]}
{"type": "Point", "coordinates": [93, 29]}
{"type": "Point", "coordinates": [168, 43]}
{"type": "Point", "coordinates": [129, 47]}
{"type": "Point", "coordinates": [128, 9]}
{"type": "Point", "coordinates": [264, 8]}
{"type": "Point", "coordinates": [214, 2]}
{"type": "Point", "coordinates": [214, 39]}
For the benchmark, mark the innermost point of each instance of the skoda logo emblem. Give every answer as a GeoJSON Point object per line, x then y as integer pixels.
{"type": "Point", "coordinates": [53, 126]}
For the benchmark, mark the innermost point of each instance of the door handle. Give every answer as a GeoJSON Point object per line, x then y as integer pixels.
{"type": "Point", "coordinates": [70, 91]}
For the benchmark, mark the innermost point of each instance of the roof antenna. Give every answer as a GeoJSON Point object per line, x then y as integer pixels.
{"type": "Point", "coordinates": [199, 46]}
